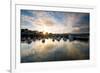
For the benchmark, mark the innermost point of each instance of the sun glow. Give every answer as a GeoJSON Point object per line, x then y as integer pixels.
{"type": "Point", "coordinates": [46, 30]}
{"type": "Point", "coordinates": [44, 33]}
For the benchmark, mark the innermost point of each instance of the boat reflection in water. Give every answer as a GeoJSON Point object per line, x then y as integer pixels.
{"type": "Point", "coordinates": [54, 50]}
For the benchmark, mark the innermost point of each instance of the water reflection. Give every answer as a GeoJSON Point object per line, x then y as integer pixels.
{"type": "Point", "coordinates": [52, 50]}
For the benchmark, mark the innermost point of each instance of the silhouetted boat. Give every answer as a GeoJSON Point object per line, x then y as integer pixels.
{"type": "Point", "coordinates": [28, 40]}
{"type": "Point", "coordinates": [65, 39]}
{"type": "Point", "coordinates": [53, 40]}
{"type": "Point", "coordinates": [70, 37]}
{"type": "Point", "coordinates": [43, 41]}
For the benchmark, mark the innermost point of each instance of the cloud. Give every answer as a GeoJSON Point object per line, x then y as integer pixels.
{"type": "Point", "coordinates": [77, 22]}
{"type": "Point", "coordinates": [26, 21]}
{"type": "Point", "coordinates": [44, 21]}
{"type": "Point", "coordinates": [55, 22]}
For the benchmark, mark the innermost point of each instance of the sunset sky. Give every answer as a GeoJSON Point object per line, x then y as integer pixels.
{"type": "Point", "coordinates": [54, 21]}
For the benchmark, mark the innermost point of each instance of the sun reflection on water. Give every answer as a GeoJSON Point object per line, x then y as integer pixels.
{"type": "Point", "coordinates": [51, 51]}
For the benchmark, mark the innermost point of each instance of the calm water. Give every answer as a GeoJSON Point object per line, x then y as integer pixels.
{"type": "Point", "coordinates": [54, 51]}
